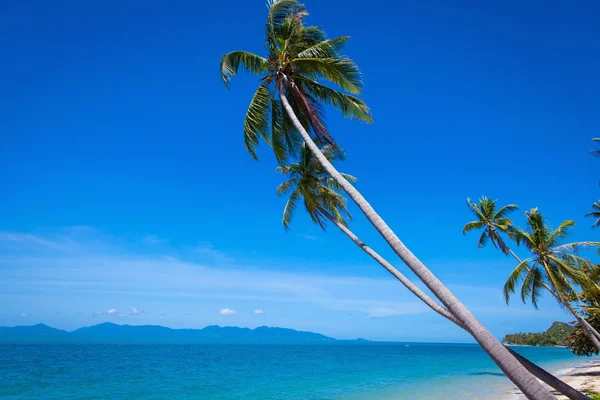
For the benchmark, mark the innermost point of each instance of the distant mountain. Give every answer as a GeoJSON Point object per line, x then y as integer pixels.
{"type": "Point", "coordinates": [554, 336]}
{"type": "Point", "coordinates": [39, 330]}
{"type": "Point", "coordinates": [109, 333]}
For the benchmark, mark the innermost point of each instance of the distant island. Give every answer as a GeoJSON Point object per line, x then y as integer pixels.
{"type": "Point", "coordinates": [109, 333]}
{"type": "Point", "coordinates": [554, 336]}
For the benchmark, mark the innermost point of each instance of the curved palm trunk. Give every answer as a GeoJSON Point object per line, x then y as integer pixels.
{"type": "Point", "coordinates": [524, 380]}
{"type": "Point", "coordinates": [592, 333]}
{"type": "Point", "coordinates": [536, 370]}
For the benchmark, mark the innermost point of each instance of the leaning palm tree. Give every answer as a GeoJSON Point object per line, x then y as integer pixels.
{"type": "Point", "coordinates": [554, 266]}
{"type": "Point", "coordinates": [308, 183]}
{"type": "Point", "coordinates": [493, 222]}
{"type": "Point", "coordinates": [595, 214]}
{"type": "Point", "coordinates": [287, 109]}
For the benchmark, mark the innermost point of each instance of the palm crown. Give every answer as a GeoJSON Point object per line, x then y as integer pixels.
{"type": "Point", "coordinates": [298, 57]}
{"type": "Point", "coordinates": [554, 265]}
{"type": "Point", "coordinates": [493, 222]}
{"type": "Point", "coordinates": [595, 214]}
{"type": "Point", "coordinates": [309, 182]}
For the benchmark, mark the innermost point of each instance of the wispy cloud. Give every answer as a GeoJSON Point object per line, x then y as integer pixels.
{"type": "Point", "coordinates": [308, 237]}
{"type": "Point", "coordinates": [27, 240]}
{"type": "Point", "coordinates": [82, 271]}
{"type": "Point", "coordinates": [25, 314]}
{"type": "Point", "coordinates": [136, 311]}
{"type": "Point", "coordinates": [207, 249]}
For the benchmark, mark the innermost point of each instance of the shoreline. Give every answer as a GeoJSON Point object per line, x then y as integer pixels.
{"type": "Point", "coordinates": [583, 377]}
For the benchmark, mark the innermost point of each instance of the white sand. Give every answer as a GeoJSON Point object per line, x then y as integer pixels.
{"type": "Point", "coordinates": [584, 378]}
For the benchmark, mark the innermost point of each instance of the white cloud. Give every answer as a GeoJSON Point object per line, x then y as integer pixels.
{"type": "Point", "coordinates": [308, 237]}
{"type": "Point", "coordinates": [96, 313]}
{"type": "Point", "coordinates": [259, 312]}
{"type": "Point", "coordinates": [136, 311]}
{"type": "Point", "coordinates": [227, 311]}
{"type": "Point", "coordinates": [25, 314]}
{"type": "Point", "coordinates": [112, 311]}
{"type": "Point", "coordinates": [209, 250]}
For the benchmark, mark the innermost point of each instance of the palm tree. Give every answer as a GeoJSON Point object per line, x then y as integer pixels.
{"type": "Point", "coordinates": [307, 182]}
{"type": "Point", "coordinates": [554, 266]}
{"type": "Point", "coordinates": [595, 213]}
{"type": "Point", "coordinates": [298, 57]}
{"type": "Point", "coordinates": [494, 222]}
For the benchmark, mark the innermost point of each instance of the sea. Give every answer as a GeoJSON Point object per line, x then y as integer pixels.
{"type": "Point", "coordinates": [304, 372]}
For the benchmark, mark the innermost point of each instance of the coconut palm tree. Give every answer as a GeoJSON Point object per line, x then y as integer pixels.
{"type": "Point", "coordinates": [493, 222]}
{"type": "Point", "coordinates": [595, 214]}
{"type": "Point", "coordinates": [553, 266]}
{"type": "Point", "coordinates": [298, 58]}
{"type": "Point", "coordinates": [308, 183]}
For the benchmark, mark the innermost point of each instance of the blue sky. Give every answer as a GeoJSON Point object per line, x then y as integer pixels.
{"type": "Point", "coordinates": [126, 184]}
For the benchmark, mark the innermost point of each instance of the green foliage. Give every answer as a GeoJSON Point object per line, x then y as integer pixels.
{"type": "Point", "coordinates": [553, 266]}
{"type": "Point", "coordinates": [307, 181]}
{"type": "Point", "coordinates": [595, 214]}
{"type": "Point", "coordinates": [579, 341]}
{"type": "Point", "coordinates": [493, 222]}
{"type": "Point", "coordinates": [556, 335]}
{"type": "Point", "coordinates": [300, 59]}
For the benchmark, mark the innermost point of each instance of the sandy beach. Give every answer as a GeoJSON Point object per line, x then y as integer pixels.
{"type": "Point", "coordinates": [585, 377]}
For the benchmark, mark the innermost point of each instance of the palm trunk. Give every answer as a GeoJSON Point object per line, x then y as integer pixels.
{"type": "Point", "coordinates": [592, 333]}
{"type": "Point", "coordinates": [524, 380]}
{"type": "Point", "coordinates": [536, 370]}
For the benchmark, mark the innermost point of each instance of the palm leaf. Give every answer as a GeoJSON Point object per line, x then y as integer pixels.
{"type": "Point", "coordinates": [350, 106]}
{"type": "Point", "coordinates": [250, 62]}
{"type": "Point", "coordinates": [483, 239]}
{"type": "Point", "coordinates": [504, 211]}
{"type": "Point", "coordinates": [290, 208]}
{"type": "Point", "coordinates": [339, 70]}
{"type": "Point", "coordinates": [514, 278]}
{"type": "Point", "coordinates": [324, 49]}
{"type": "Point", "coordinates": [560, 232]}
{"type": "Point", "coordinates": [472, 225]}
{"type": "Point", "coordinates": [256, 122]}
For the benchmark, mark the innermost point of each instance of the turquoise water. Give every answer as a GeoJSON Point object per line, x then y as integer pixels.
{"type": "Point", "coordinates": [355, 372]}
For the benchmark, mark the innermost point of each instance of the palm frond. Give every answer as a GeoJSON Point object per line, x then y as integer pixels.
{"type": "Point", "coordinates": [350, 106]}
{"type": "Point", "coordinates": [278, 142]}
{"type": "Point", "coordinates": [483, 239]}
{"type": "Point", "coordinates": [472, 225]}
{"type": "Point", "coordinates": [532, 287]}
{"type": "Point", "coordinates": [575, 247]}
{"type": "Point", "coordinates": [595, 153]}
{"type": "Point", "coordinates": [324, 49]}
{"type": "Point", "coordinates": [278, 10]}
{"type": "Point", "coordinates": [514, 278]}
{"type": "Point", "coordinates": [504, 211]}
{"type": "Point", "coordinates": [252, 63]}
{"type": "Point", "coordinates": [595, 214]}
{"type": "Point", "coordinates": [561, 232]}
{"type": "Point", "coordinates": [290, 208]}
{"type": "Point", "coordinates": [256, 122]}
{"type": "Point", "coordinates": [286, 186]}
{"type": "Point", "coordinates": [339, 70]}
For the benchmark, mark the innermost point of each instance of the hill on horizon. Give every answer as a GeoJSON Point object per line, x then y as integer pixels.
{"type": "Point", "coordinates": [110, 333]}
{"type": "Point", "coordinates": [554, 336]}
